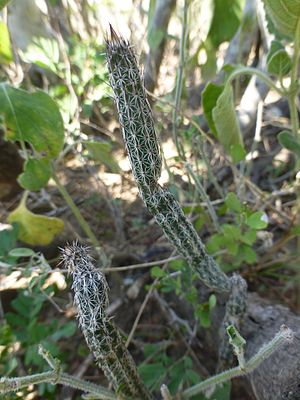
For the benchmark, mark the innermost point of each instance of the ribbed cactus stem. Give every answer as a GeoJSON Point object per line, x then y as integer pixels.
{"type": "Point", "coordinates": [137, 123]}
{"type": "Point", "coordinates": [102, 336]}
{"type": "Point", "coordinates": [235, 309]}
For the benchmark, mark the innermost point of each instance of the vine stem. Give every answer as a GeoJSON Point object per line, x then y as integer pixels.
{"type": "Point", "coordinates": [179, 83]}
{"type": "Point", "coordinates": [13, 384]}
{"type": "Point", "coordinates": [82, 222]}
{"type": "Point", "coordinates": [284, 335]}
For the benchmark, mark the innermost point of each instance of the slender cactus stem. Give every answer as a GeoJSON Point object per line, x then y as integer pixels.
{"type": "Point", "coordinates": [102, 336]}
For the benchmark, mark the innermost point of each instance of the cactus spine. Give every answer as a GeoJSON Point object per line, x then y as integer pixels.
{"type": "Point", "coordinates": [101, 334]}
{"type": "Point", "coordinates": [141, 143]}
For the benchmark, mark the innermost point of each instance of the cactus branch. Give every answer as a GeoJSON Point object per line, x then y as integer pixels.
{"type": "Point", "coordinates": [143, 151]}
{"type": "Point", "coordinates": [102, 336]}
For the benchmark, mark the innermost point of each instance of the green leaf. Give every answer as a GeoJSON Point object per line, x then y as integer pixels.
{"type": "Point", "coordinates": [5, 48]}
{"type": "Point", "coordinates": [248, 254]}
{"type": "Point", "coordinates": [151, 374]}
{"type": "Point", "coordinates": [278, 61]}
{"type": "Point", "coordinates": [225, 120]}
{"type": "Point", "coordinates": [67, 330]}
{"type": "Point", "coordinates": [36, 174]}
{"type": "Point", "coordinates": [285, 15]}
{"type": "Point", "coordinates": [290, 142]}
{"type": "Point", "coordinates": [257, 220]}
{"type": "Point", "coordinates": [237, 153]}
{"type": "Point", "coordinates": [249, 237]}
{"type": "Point", "coordinates": [33, 118]}
{"type": "Point", "coordinates": [44, 53]}
{"type": "Point", "coordinates": [21, 252]}
{"type": "Point", "coordinates": [101, 152]}
{"type": "Point", "coordinates": [226, 20]}
{"type": "Point", "coordinates": [233, 202]}
{"type": "Point", "coordinates": [210, 96]}
{"type": "Point", "coordinates": [296, 230]}
{"type": "Point", "coordinates": [4, 3]}
{"type": "Point", "coordinates": [35, 229]}
{"type": "Point", "coordinates": [157, 272]}
{"type": "Point", "coordinates": [155, 38]}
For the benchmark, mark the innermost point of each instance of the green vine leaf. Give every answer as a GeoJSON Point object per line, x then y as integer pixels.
{"type": "Point", "coordinates": [210, 96]}
{"type": "Point", "coordinates": [33, 118]}
{"type": "Point", "coordinates": [278, 61]}
{"type": "Point", "coordinates": [225, 120]}
{"type": "Point", "coordinates": [285, 15]}
{"type": "Point", "coordinates": [290, 142]}
{"type": "Point", "coordinates": [36, 174]}
{"type": "Point", "coordinates": [34, 229]}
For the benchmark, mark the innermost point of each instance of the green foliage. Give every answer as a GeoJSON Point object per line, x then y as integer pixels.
{"type": "Point", "coordinates": [226, 20]}
{"type": "Point", "coordinates": [237, 238]}
{"type": "Point", "coordinates": [219, 110]}
{"type": "Point", "coordinates": [101, 153]}
{"type": "Point", "coordinates": [33, 118]}
{"type": "Point", "coordinates": [285, 15]}
{"type": "Point", "coordinates": [290, 142]}
{"type": "Point", "coordinates": [36, 174]}
{"type": "Point", "coordinates": [5, 48]}
{"type": "Point", "coordinates": [3, 3]}
{"type": "Point", "coordinates": [278, 61]}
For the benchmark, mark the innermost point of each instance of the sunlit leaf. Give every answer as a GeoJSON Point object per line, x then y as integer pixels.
{"type": "Point", "coordinates": [226, 20]}
{"type": "Point", "coordinates": [5, 49]}
{"type": "Point", "coordinates": [102, 153]}
{"type": "Point", "coordinates": [210, 96]}
{"type": "Point", "coordinates": [225, 120]}
{"type": "Point", "coordinates": [36, 174]}
{"type": "Point", "coordinates": [285, 15]}
{"type": "Point", "coordinates": [33, 118]}
{"type": "Point", "coordinates": [35, 229]}
{"type": "Point", "coordinates": [278, 61]}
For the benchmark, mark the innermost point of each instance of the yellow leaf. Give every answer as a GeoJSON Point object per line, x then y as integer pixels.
{"type": "Point", "coordinates": [35, 229]}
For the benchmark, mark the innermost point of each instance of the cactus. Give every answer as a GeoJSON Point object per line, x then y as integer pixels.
{"type": "Point", "coordinates": [102, 336]}
{"type": "Point", "coordinates": [141, 143]}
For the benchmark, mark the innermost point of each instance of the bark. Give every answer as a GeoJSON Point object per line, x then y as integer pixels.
{"type": "Point", "coordinates": [160, 21]}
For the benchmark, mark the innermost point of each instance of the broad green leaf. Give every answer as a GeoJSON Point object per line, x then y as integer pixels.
{"type": "Point", "coordinates": [33, 118]}
{"type": "Point", "coordinates": [233, 202]}
{"type": "Point", "coordinates": [102, 152]}
{"type": "Point", "coordinates": [44, 53]}
{"type": "Point", "coordinates": [257, 220]}
{"type": "Point", "coordinates": [210, 96]}
{"type": "Point", "coordinates": [35, 229]}
{"type": "Point", "coordinates": [237, 153]}
{"type": "Point", "coordinates": [5, 49]}
{"type": "Point", "coordinates": [4, 3]}
{"type": "Point", "coordinates": [226, 20]}
{"type": "Point", "coordinates": [21, 252]}
{"type": "Point", "coordinates": [36, 174]}
{"type": "Point", "coordinates": [278, 61]}
{"type": "Point", "coordinates": [155, 38]}
{"type": "Point", "coordinates": [285, 15]}
{"type": "Point", "coordinates": [225, 120]}
{"type": "Point", "coordinates": [290, 142]}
